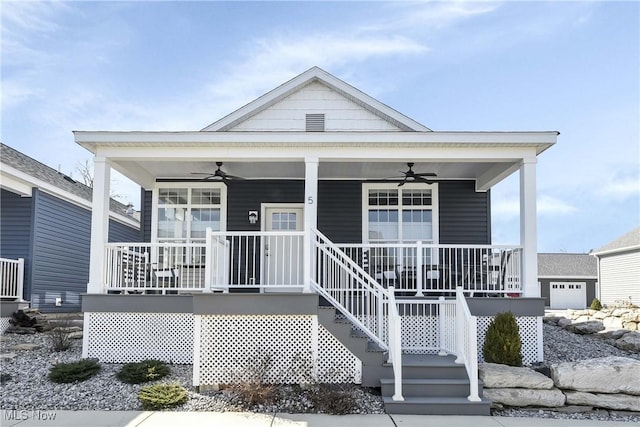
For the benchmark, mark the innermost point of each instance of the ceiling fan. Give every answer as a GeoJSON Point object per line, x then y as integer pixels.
{"type": "Point", "coordinates": [218, 174]}
{"type": "Point", "coordinates": [411, 176]}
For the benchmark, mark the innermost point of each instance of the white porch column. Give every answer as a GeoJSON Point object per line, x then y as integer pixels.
{"type": "Point", "coordinates": [528, 228]}
{"type": "Point", "coordinates": [99, 224]}
{"type": "Point", "coordinates": [310, 215]}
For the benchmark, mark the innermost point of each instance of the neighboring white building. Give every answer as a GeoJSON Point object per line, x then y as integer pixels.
{"type": "Point", "coordinates": [619, 269]}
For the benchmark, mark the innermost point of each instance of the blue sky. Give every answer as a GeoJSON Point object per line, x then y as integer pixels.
{"type": "Point", "coordinates": [567, 66]}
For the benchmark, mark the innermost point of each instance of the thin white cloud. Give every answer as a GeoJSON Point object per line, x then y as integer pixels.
{"type": "Point", "coordinates": [620, 186]}
{"type": "Point", "coordinates": [552, 206]}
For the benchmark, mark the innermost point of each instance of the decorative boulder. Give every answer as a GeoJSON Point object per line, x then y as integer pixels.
{"type": "Point", "coordinates": [495, 375]}
{"type": "Point", "coordinates": [585, 328]}
{"type": "Point", "coordinates": [629, 342]}
{"type": "Point", "coordinates": [618, 401]}
{"type": "Point", "coordinates": [525, 397]}
{"type": "Point", "coordinates": [603, 375]}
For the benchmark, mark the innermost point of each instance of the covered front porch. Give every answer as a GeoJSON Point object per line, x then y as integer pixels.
{"type": "Point", "coordinates": [267, 231]}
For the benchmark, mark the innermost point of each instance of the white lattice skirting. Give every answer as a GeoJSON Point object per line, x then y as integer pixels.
{"type": "Point", "coordinates": [132, 337]}
{"type": "Point", "coordinates": [4, 324]}
{"type": "Point", "coordinates": [530, 335]}
{"type": "Point", "coordinates": [277, 348]}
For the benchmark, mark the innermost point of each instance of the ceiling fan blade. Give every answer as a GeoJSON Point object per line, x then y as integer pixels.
{"type": "Point", "coordinates": [426, 174]}
{"type": "Point", "coordinates": [227, 176]}
{"type": "Point", "coordinates": [421, 179]}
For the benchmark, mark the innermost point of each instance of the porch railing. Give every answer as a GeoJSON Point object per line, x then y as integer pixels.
{"type": "Point", "coordinates": [12, 278]}
{"type": "Point", "coordinates": [349, 288]}
{"type": "Point", "coordinates": [418, 268]}
{"type": "Point", "coordinates": [257, 259]}
{"type": "Point", "coordinates": [155, 267]}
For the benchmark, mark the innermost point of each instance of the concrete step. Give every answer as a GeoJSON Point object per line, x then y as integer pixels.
{"type": "Point", "coordinates": [436, 406]}
{"type": "Point", "coordinates": [440, 387]}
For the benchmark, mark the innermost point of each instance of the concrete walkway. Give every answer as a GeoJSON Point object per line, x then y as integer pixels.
{"type": "Point", "coordinates": [52, 418]}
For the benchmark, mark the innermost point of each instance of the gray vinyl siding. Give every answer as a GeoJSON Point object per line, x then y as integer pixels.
{"type": "Point", "coordinates": [15, 230]}
{"type": "Point", "coordinates": [245, 196]}
{"type": "Point", "coordinates": [464, 214]}
{"type": "Point", "coordinates": [620, 277]}
{"type": "Point", "coordinates": [119, 232]}
{"type": "Point", "coordinates": [340, 210]}
{"type": "Point", "coordinates": [61, 242]}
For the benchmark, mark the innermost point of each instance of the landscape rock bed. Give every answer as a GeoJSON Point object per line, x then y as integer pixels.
{"type": "Point", "coordinates": [29, 388]}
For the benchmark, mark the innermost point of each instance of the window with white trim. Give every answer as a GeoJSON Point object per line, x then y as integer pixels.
{"type": "Point", "coordinates": [400, 214]}
{"type": "Point", "coordinates": [184, 213]}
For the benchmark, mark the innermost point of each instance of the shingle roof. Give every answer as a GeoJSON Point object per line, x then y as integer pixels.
{"type": "Point", "coordinates": [567, 265]}
{"type": "Point", "coordinates": [17, 160]}
{"type": "Point", "coordinates": [627, 240]}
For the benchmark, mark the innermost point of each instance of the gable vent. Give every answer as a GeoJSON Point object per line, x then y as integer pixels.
{"type": "Point", "coordinates": [315, 122]}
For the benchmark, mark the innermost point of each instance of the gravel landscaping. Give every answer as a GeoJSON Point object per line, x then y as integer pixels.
{"type": "Point", "coordinates": [29, 388]}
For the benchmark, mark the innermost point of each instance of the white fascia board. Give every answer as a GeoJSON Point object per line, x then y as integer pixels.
{"type": "Point", "coordinates": [298, 82]}
{"type": "Point", "coordinates": [14, 185]}
{"type": "Point", "coordinates": [617, 250]}
{"type": "Point", "coordinates": [569, 277]}
{"type": "Point", "coordinates": [267, 152]}
{"type": "Point", "coordinates": [33, 182]}
{"type": "Point", "coordinates": [93, 139]}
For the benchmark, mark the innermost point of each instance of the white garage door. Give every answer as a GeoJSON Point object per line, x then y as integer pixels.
{"type": "Point", "coordinates": [568, 295]}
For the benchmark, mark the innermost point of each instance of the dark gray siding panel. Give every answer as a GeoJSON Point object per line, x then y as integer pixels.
{"type": "Point", "coordinates": [464, 213]}
{"type": "Point", "coordinates": [60, 253]}
{"type": "Point", "coordinates": [340, 210]}
{"type": "Point", "coordinates": [15, 231]}
{"type": "Point", "coordinates": [245, 196]}
{"type": "Point", "coordinates": [146, 212]}
{"type": "Point", "coordinates": [119, 232]}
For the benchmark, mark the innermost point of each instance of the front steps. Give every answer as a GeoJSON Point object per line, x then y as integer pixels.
{"type": "Point", "coordinates": [432, 384]}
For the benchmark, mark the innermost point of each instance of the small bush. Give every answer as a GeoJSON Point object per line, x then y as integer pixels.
{"type": "Point", "coordinates": [336, 399]}
{"type": "Point", "coordinates": [76, 371]}
{"type": "Point", "coordinates": [162, 396]}
{"type": "Point", "coordinates": [595, 305]}
{"type": "Point", "coordinates": [141, 372]}
{"type": "Point", "coordinates": [502, 342]}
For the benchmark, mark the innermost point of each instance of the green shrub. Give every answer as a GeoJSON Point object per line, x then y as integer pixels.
{"type": "Point", "coordinates": [595, 305]}
{"type": "Point", "coordinates": [502, 342]}
{"type": "Point", "coordinates": [75, 371]}
{"type": "Point", "coordinates": [141, 372]}
{"type": "Point", "coordinates": [162, 396]}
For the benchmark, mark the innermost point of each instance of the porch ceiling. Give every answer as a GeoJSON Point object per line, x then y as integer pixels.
{"type": "Point", "coordinates": [482, 172]}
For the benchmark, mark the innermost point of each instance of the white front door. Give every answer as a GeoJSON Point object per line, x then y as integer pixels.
{"type": "Point", "coordinates": [283, 251]}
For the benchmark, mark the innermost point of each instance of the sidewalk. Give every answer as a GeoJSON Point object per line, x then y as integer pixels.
{"type": "Point", "coordinates": [52, 418]}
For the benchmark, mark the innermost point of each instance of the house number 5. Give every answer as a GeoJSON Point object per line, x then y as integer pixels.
{"type": "Point", "coordinates": [310, 200]}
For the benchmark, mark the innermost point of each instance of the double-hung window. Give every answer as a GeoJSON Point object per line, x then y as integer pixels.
{"type": "Point", "coordinates": [399, 215]}
{"type": "Point", "coordinates": [184, 212]}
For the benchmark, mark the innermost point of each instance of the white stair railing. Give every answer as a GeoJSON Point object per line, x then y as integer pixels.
{"type": "Point", "coordinates": [467, 343]}
{"type": "Point", "coordinates": [349, 288]}
{"type": "Point", "coordinates": [395, 345]}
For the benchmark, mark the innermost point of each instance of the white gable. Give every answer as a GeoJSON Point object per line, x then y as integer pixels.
{"type": "Point", "coordinates": [340, 113]}
{"type": "Point", "coordinates": [315, 92]}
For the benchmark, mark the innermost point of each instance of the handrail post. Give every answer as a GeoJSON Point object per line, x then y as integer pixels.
{"type": "Point", "coordinates": [473, 360]}
{"type": "Point", "coordinates": [442, 312]}
{"type": "Point", "coordinates": [395, 345]}
{"type": "Point", "coordinates": [459, 327]}
{"type": "Point", "coordinates": [20, 284]}
{"type": "Point", "coordinates": [208, 260]}
{"type": "Point", "coordinates": [419, 275]}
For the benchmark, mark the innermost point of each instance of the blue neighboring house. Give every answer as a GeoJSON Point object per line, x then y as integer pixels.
{"type": "Point", "coordinates": [45, 218]}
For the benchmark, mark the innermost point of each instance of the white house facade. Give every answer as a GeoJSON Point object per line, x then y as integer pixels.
{"type": "Point", "coordinates": [308, 214]}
